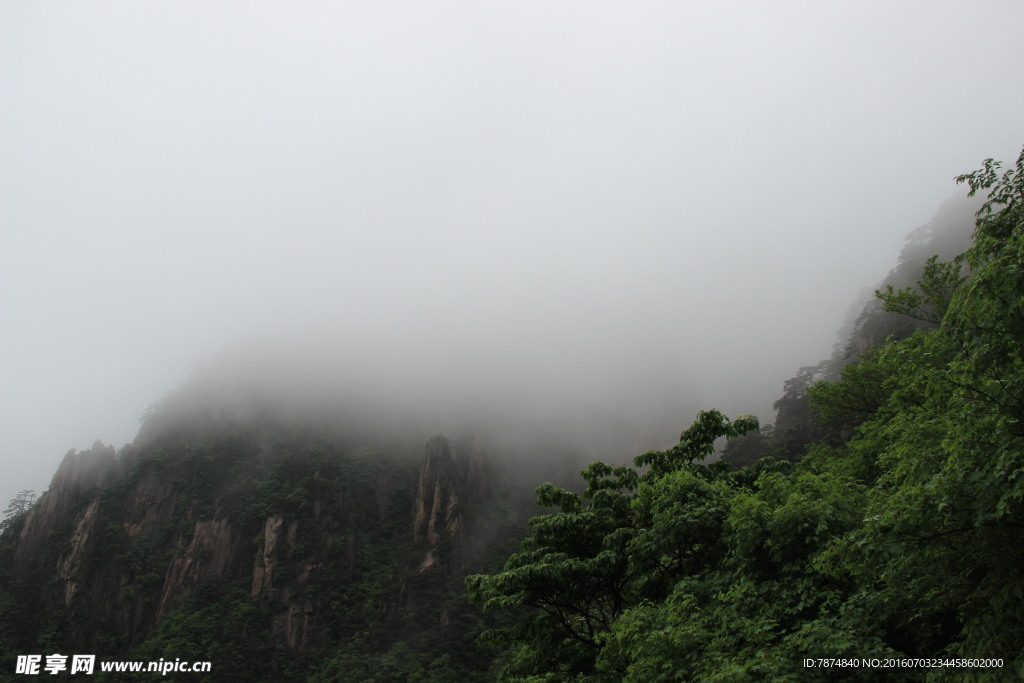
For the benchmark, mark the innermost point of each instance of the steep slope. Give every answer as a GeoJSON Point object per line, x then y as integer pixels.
{"type": "Point", "coordinates": [259, 543]}
{"type": "Point", "coordinates": [867, 325]}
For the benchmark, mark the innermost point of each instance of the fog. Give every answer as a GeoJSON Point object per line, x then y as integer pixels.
{"type": "Point", "coordinates": [588, 210]}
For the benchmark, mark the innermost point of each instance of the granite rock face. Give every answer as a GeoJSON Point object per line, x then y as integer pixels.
{"type": "Point", "coordinates": [122, 539]}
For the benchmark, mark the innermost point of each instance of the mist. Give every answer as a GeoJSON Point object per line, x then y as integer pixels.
{"type": "Point", "coordinates": [576, 214]}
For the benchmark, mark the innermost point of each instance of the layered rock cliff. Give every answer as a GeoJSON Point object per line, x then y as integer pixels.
{"type": "Point", "coordinates": [314, 536]}
{"type": "Point", "coordinates": [448, 493]}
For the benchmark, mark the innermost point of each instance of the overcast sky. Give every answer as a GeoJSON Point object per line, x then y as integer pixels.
{"type": "Point", "coordinates": [596, 200]}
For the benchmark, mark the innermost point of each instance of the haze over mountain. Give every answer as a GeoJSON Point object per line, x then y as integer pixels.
{"type": "Point", "coordinates": [576, 211]}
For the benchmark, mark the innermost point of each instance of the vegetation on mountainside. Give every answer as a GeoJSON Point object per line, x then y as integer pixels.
{"type": "Point", "coordinates": [344, 506]}
{"type": "Point", "coordinates": [928, 259]}
{"type": "Point", "coordinates": [899, 536]}
{"type": "Point", "coordinates": [882, 516]}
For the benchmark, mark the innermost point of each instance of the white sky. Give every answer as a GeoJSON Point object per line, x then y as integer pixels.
{"type": "Point", "coordinates": [621, 198]}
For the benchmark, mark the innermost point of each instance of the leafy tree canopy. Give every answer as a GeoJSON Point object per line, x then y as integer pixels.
{"type": "Point", "coordinates": [903, 538]}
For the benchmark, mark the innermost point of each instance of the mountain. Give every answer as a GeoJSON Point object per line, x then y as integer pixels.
{"type": "Point", "coordinates": [867, 325]}
{"type": "Point", "coordinates": [273, 546]}
{"type": "Point", "coordinates": [886, 549]}
{"type": "Point", "coordinates": [288, 524]}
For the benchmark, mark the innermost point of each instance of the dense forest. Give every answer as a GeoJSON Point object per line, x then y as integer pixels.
{"type": "Point", "coordinates": [897, 536]}
{"type": "Point", "coordinates": [880, 516]}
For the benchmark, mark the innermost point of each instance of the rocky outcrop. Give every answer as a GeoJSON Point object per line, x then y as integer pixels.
{"type": "Point", "coordinates": [122, 540]}
{"type": "Point", "coordinates": [296, 623]}
{"type": "Point", "coordinates": [438, 512]}
{"type": "Point", "coordinates": [295, 619]}
{"type": "Point", "coordinates": [152, 501]}
{"type": "Point", "coordinates": [77, 478]}
{"type": "Point", "coordinates": [215, 550]}
{"type": "Point", "coordinates": [69, 568]}
{"type": "Point", "coordinates": [449, 491]}
{"type": "Point", "coordinates": [266, 560]}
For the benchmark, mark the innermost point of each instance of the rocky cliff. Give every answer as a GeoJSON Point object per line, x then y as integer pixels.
{"type": "Point", "coordinates": [315, 537]}
{"type": "Point", "coordinates": [448, 493]}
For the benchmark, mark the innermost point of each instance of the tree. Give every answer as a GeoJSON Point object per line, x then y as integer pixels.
{"type": "Point", "coordinates": [17, 508]}
{"type": "Point", "coordinates": [940, 546]}
{"type": "Point", "coordinates": [934, 293]}
{"type": "Point", "coordinates": [604, 552]}
{"type": "Point", "coordinates": [903, 539]}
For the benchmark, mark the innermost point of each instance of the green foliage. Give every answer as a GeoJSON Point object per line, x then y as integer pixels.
{"type": "Point", "coordinates": [899, 533]}
{"type": "Point", "coordinates": [930, 300]}
{"type": "Point", "coordinates": [899, 536]}
{"type": "Point", "coordinates": [220, 624]}
{"type": "Point", "coordinates": [1006, 191]}
{"type": "Point", "coordinates": [398, 663]}
{"type": "Point", "coordinates": [606, 551]}
{"type": "Point", "coordinates": [17, 508]}
{"type": "Point", "coordinates": [796, 424]}
{"type": "Point", "coordinates": [696, 443]}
